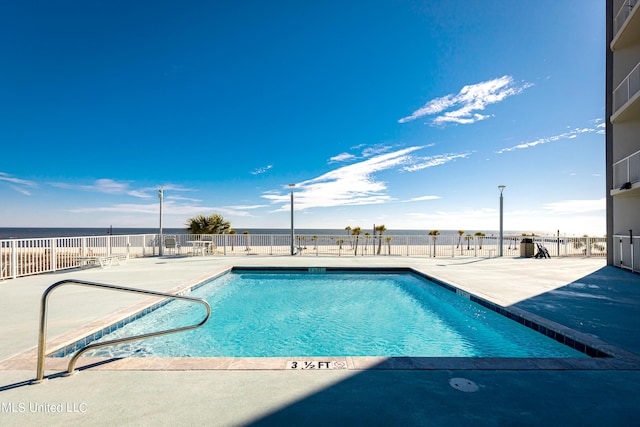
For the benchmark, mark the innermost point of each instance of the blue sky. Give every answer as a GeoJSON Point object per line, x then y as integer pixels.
{"type": "Point", "coordinates": [403, 113]}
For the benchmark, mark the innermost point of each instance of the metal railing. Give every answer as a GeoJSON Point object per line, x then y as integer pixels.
{"type": "Point", "coordinates": [622, 15]}
{"type": "Point", "coordinates": [626, 170]}
{"type": "Point", "coordinates": [42, 331]}
{"type": "Point", "coordinates": [626, 89]}
{"type": "Point", "coordinates": [23, 257]}
{"type": "Point", "coordinates": [626, 252]}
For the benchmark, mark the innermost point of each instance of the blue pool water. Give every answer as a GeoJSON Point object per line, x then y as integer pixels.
{"type": "Point", "coordinates": [271, 314]}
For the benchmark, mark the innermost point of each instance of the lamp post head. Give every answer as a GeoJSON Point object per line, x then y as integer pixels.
{"type": "Point", "coordinates": [160, 193]}
{"type": "Point", "coordinates": [291, 186]}
{"type": "Point", "coordinates": [501, 187]}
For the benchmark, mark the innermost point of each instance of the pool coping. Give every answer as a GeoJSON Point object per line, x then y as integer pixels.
{"type": "Point", "coordinates": [603, 355]}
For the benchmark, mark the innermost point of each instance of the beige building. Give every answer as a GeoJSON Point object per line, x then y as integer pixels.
{"type": "Point", "coordinates": [623, 133]}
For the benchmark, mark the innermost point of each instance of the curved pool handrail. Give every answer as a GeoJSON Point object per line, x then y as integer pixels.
{"type": "Point", "coordinates": [42, 332]}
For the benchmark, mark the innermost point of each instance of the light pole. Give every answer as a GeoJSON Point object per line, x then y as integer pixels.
{"type": "Point", "coordinates": [292, 233]}
{"type": "Point", "coordinates": [501, 187]}
{"type": "Point", "coordinates": [160, 249]}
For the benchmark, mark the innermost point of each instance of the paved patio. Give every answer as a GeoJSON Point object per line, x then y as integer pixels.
{"type": "Point", "coordinates": [582, 294]}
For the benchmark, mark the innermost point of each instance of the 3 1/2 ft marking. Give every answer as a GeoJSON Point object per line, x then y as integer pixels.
{"type": "Point", "coordinates": [317, 364]}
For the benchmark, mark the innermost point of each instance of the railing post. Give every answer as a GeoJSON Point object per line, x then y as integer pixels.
{"type": "Point", "coordinates": [631, 250]}
{"type": "Point", "coordinates": [14, 260]}
{"type": "Point", "coordinates": [52, 254]}
{"type": "Point", "coordinates": [42, 337]}
{"type": "Point", "coordinates": [1, 262]}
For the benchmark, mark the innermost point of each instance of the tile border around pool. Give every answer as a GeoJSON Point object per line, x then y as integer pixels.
{"type": "Point", "coordinates": [603, 355]}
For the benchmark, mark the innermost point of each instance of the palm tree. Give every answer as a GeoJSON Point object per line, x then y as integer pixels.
{"type": "Point", "coordinates": [480, 236]}
{"type": "Point", "coordinates": [434, 235]}
{"type": "Point", "coordinates": [460, 233]}
{"type": "Point", "coordinates": [314, 239]}
{"type": "Point", "coordinates": [380, 229]}
{"type": "Point", "coordinates": [356, 232]}
{"type": "Point", "coordinates": [212, 224]}
{"type": "Point", "coordinates": [468, 239]}
{"type": "Point", "coordinates": [388, 239]}
{"type": "Point", "coordinates": [348, 229]}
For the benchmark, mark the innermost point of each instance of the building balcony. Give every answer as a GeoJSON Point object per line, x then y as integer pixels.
{"type": "Point", "coordinates": [626, 175]}
{"type": "Point", "coordinates": [626, 97]}
{"type": "Point", "coordinates": [626, 28]}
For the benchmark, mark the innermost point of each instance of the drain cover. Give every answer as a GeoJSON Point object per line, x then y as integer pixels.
{"type": "Point", "coordinates": [463, 384]}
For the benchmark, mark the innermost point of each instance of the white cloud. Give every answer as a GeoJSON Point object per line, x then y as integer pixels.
{"type": "Point", "coordinates": [17, 184]}
{"type": "Point", "coordinates": [110, 186]}
{"type": "Point", "coordinates": [177, 197]}
{"type": "Point", "coordinates": [342, 157]}
{"type": "Point", "coordinates": [355, 184]}
{"type": "Point", "coordinates": [566, 135]}
{"type": "Point", "coordinates": [169, 208]}
{"type": "Point", "coordinates": [262, 170]}
{"type": "Point", "coordinates": [468, 101]}
{"type": "Point", "coordinates": [422, 198]}
{"type": "Point", "coordinates": [576, 206]}
{"type": "Point", "coordinates": [139, 194]}
{"type": "Point", "coordinates": [104, 185]}
{"type": "Point", "coordinates": [375, 150]}
{"type": "Point", "coordinates": [431, 161]}
{"type": "Point", "coordinates": [349, 185]}
{"type": "Point", "coordinates": [246, 207]}
{"type": "Point", "coordinates": [366, 152]}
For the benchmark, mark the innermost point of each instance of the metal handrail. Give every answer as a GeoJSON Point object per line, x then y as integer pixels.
{"type": "Point", "coordinates": [43, 321]}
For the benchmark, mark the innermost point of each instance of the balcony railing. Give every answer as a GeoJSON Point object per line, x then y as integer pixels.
{"type": "Point", "coordinates": [627, 89]}
{"type": "Point", "coordinates": [622, 15]}
{"type": "Point", "coordinates": [626, 170]}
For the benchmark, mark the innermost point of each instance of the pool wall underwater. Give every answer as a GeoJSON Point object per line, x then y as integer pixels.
{"type": "Point", "coordinates": [601, 355]}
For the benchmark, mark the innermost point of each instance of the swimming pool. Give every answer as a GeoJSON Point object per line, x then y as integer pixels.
{"type": "Point", "coordinates": [318, 312]}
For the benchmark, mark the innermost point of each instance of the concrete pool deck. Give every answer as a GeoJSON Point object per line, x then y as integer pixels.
{"type": "Point", "coordinates": [582, 294]}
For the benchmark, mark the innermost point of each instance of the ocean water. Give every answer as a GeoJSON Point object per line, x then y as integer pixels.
{"type": "Point", "coordinates": [41, 232]}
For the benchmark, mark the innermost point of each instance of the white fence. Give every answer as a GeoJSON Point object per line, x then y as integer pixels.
{"type": "Point", "coordinates": [22, 257]}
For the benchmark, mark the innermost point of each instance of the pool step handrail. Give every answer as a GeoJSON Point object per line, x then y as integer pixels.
{"type": "Point", "coordinates": [42, 333]}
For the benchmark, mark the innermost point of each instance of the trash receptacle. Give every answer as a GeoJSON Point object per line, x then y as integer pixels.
{"type": "Point", "coordinates": [526, 248]}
